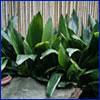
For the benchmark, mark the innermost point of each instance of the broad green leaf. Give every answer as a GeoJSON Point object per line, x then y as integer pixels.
{"type": "Point", "coordinates": [62, 27]}
{"type": "Point", "coordinates": [56, 42]}
{"type": "Point", "coordinates": [16, 41]}
{"type": "Point", "coordinates": [65, 84]}
{"type": "Point", "coordinates": [27, 48]}
{"type": "Point", "coordinates": [23, 58]}
{"type": "Point", "coordinates": [93, 73]}
{"type": "Point", "coordinates": [7, 49]}
{"type": "Point", "coordinates": [63, 37]}
{"type": "Point", "coordinates": [3, 53]}
{"type": "Point", "coordinates": [23, 70]}
{"type": "Point", "coordinates": [96, 34]}
{"type": "Point", "coordinates": [75, 64]}
{"type": "Point", "coordinates": [94, 45]}
{"type": "Point", "coordinates": [5, 36]}
{"type": "Point", "coordinates": [78, 41]}
{"type": "Point", "coordinates": [62, 56]}
{"type": "Point", "coordinates": [52, 83]}
{"type": "Point", "coordinates": [87, 36]}
{"type": "Point", "coordinates": [82, 31]}
{"type": "Point", "coordinates": [66, 20]}
{"type": "Point", "coordinates": [64, 41]}
{"type": "Point", "coordinates": [48, 31]}
{"type": "Point", "coordinates": [74, 23]}
{"type": "Point", "coordinates": [96, 27]}
{"type": "Point", "coordinates": [93, 62]}
{"type": "Point", "coordinates": [4, 62]}
{"type": "Point", "coordinates": [48, 52]}
{"type": "Point", "coordinates": [91, 21]}
{"type": "Point", "coordinates": [41, 47]}
{"type": "Point", "coordinates": [74, 71]}
{"type": "Point", "coordinates": [12, 21]}
{"type": "Point", "coordinates": [42, 79]}
{"type": "Point", "coordinates": [50, 69]}
{"type": "Point", "coordinates": [70, 31]}
{"type": "Point", "coordinates": [71, 51]}
{"type": "Point", "coordinates": [35, 31]}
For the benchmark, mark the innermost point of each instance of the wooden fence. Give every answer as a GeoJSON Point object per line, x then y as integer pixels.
{"type": "Point", "coordinates": [27, 9]}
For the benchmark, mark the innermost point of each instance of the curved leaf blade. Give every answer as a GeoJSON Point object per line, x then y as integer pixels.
{"type": "Point", "coordinates": [91, 21]}
{"type": "Point", "coordinates": [48, 31]}
{"type": "Point", "coordinates": [62, 56]}
{"type": "Point", "coordinates": [71, 51]}
{"type": "Point", "coordinates": [23, 58]}
{"type": "Point", "coordinates": [52, 83]}
{"type": "Point", "coordinates": [41, 47]}
{"type": "Point", "coordinates": [35, 30]}
{"type": "Point", "coordinates": [74, 22]}
{"type": "Point", "coordinates": [5, 36]}
{"type": "Point", "coordinates": [4, 62]}
{"type": "Point", "coordinates": [48, 52]}
{"type": "Point", "coordinates": [16, 41]}
{"type": "Point", "coordinates": [27, 48]}
{"type": "Point", "coordinates": [62, 27]}
{"type": "Point", "coordinates": [78, 40]}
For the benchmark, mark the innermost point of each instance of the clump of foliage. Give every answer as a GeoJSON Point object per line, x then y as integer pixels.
{"type": "Point", "coordinates": [58, 57]}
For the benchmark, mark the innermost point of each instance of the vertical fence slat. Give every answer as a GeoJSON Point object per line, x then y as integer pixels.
{"type": "Point", "coordinates": [27, 9]}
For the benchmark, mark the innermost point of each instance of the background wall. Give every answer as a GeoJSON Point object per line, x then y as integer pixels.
{"type": "Point", "coordinates": [27, 9]}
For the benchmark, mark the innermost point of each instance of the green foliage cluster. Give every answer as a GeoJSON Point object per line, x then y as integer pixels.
{"type": "Point", "coordinates": [58, 57]}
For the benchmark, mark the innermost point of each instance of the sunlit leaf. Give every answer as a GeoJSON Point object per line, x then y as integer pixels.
{"type": "Point", "coordinates": [52, 83]}
{"type": "Point", "coordinates": [35, 31]}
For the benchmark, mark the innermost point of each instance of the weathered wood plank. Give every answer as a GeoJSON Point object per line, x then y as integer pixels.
{"type": "Point", "coordinates": [27, 9]}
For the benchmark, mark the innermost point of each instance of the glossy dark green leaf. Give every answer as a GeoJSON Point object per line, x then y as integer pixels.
{"type": "Point", "coordinates": [5, 36]}
{"type": "Point", "coordinates": [48, 31]}
{"type": "Point", "coordinates": [41, 47]}
{"type": "Point", "coordinates": [78, 40]}
{"type": "Point", "coordinates": [71, 51]}
{"type": "Point", "coordinates": [96, 27]}
{"type": "Point", "coordinates": [74, 23]}
{"type": "Point", "coordinates": [16, 41]}
{"type": "Point", "coordinates": [35, 30]}
{"type": "Point", "coordinates": [48, 52]}
{"type": "Point", "coordinates": [62, 56]}
{"type": "Point", "coordinates": [94, 44]}
{"type": "Point", "coordinates": [93, 62]}
{"type": "Point", "coordinates": [52, 83]}
{"type": "Point", "coordinates": [65, 84]}
{"type": "Point", "coordinates": [66, 20]}
{"type": "Point", "coordinates": [50, 69]}
{"type": "Point", "coordinates": [42, 79]}
{"type": "Point", "coordinates": [93, 74]}
{"type": "Point", "coordinates": [86, 35]}
{"type": "Point", "coordinates": [64, 38]}
{"type": "Point", "coordinates": [70, 31]}
{"type": "Point", "coordinates": [56, 42]}
{"type": "Point", "coordinates": [62, 27]}
{"type": "Point", "coordinates": [4, 62]}
{"type": "Point", "coordinates": [91, 21]}
{"type": "Point", "coordinates": [23, 70]}
{"type": "Point", "coordinates": [27, 48]}
{"type": "Point", "coordinates": [73, 71]}
{"type": "Point", "coordinates": [23, 58]}
{"type": "Point", "coordinates": [12, 22]}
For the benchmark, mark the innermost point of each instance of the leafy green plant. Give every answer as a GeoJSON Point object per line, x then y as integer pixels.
{"type": "Point", "coordinates": [59, 58]}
